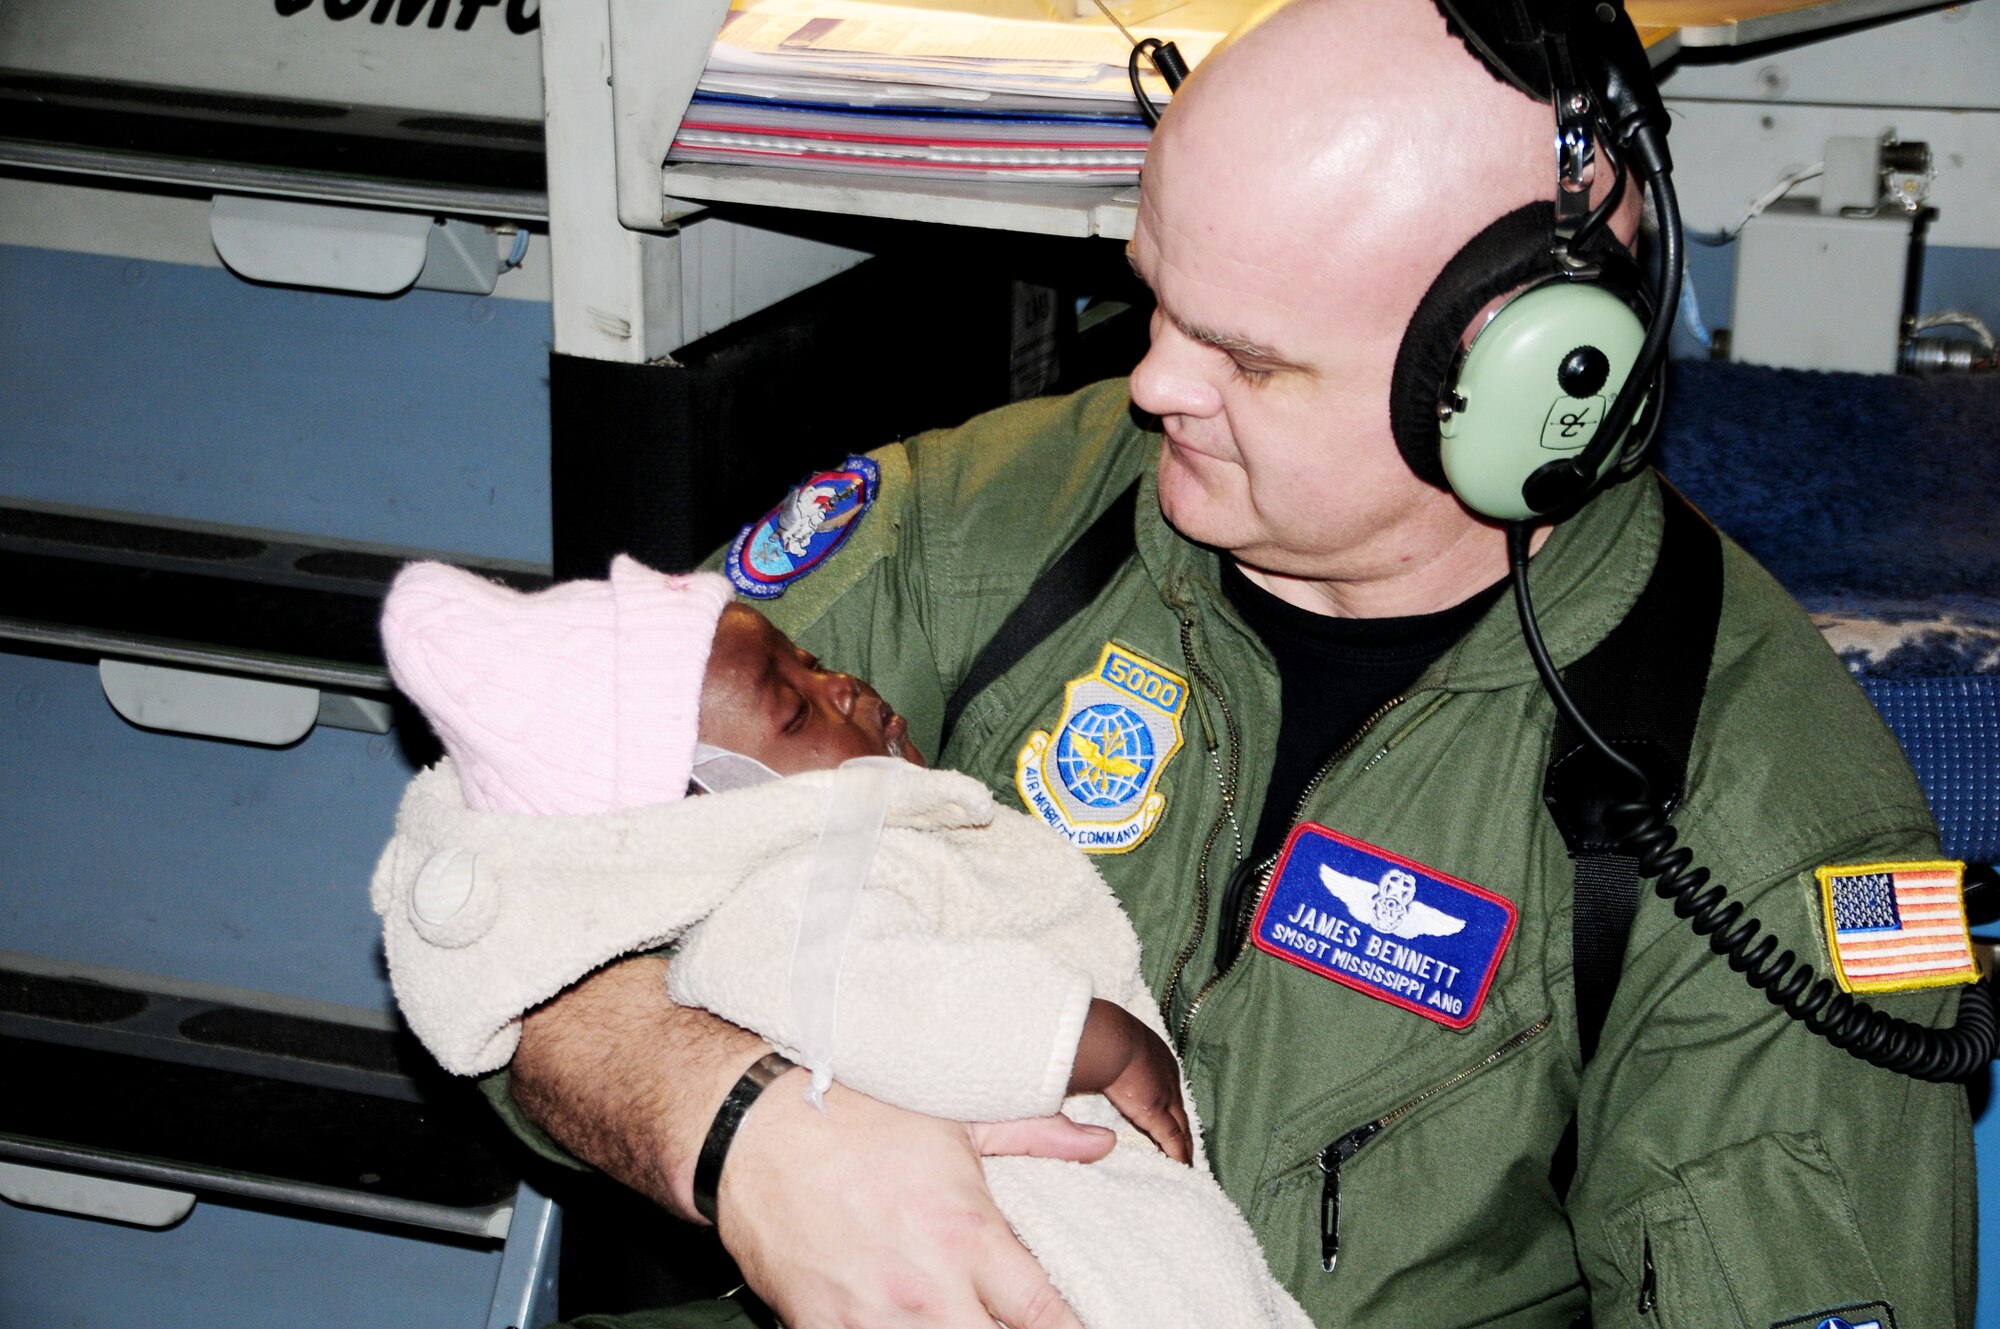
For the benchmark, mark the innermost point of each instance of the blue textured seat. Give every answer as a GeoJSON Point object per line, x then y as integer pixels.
{"type": "Point", "coordinates": [1876, 501]}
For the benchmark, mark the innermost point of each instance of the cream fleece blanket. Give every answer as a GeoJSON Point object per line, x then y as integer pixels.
{"type": "Point", "coordinates": [975, 949]}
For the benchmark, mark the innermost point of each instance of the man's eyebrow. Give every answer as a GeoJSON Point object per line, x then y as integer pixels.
{"type": "Point", "coordinates": [1225, 341]}
{"type": "Point", "coordinates": [1241, 347]}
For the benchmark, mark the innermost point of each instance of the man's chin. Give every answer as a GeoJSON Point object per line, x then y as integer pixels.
{"type": "Point", "coordinates": [1192, 508]}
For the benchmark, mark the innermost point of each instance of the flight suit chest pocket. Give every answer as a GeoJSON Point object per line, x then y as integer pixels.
{"type": "Point", "coordinates": [1447, 1182]}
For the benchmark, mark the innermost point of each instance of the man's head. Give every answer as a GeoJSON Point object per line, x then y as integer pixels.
{"type": "Point", "coordinates": [1307, 185]}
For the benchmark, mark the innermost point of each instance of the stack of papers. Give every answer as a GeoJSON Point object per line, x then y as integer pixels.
{"type": "Point", "coordinates": [937, 142]}
{"type": "Point", "coordinates": [877, 89]}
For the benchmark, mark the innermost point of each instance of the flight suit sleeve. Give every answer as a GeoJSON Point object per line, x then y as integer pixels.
{"type": "Point", "coordinates": [1735, 1169]}
{"type": "Point", "coordinates": [962, 523]}
{"type": "Point", "coordinates": [865, 609]}
{"type": "Point", "coordinates": [495, 1088]}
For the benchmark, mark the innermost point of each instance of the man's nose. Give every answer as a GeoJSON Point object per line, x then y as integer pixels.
{"type": "Point", "coordinates": [1176, 375]}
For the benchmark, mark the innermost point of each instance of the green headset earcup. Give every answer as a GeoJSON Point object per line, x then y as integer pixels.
{"type": "Point", "coordinates": [1508, 254]}
{"type": "Point", "coordinates": [1496, 445]}
{"type": "Point", "coordinates": [1512, 406]}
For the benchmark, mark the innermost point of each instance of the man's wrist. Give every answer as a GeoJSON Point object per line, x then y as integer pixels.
{"type": "Point", "coordinates": [722, 1131]}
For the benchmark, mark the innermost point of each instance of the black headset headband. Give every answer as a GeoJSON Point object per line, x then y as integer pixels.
{"type": "Point", "coordinates": [1583, 59]}
{"type": "Point", "coordinates": [1514, 39]}
{"type": "Point", "coordinates": [1507, 38]}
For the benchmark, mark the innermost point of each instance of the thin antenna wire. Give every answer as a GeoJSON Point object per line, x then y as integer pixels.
{"type": "Point", "coordinates": [1130, 40]}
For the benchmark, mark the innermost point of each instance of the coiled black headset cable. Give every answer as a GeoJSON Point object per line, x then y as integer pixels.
{"type": "Point", "coordinates": [1875, 1036]}
{"type": "Point", "coordinates": [1166, 58]}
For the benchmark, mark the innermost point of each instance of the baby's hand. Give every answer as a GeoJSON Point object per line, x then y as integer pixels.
{"type": "Point", "coordinates": [1127, 1063]}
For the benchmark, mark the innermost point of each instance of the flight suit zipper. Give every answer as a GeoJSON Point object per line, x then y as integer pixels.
{"type": "Point", "coordinates": [1649, 1287]}
{"type": "Point", "coordinates": [1238, 911]}
{"type": "Point", "coordinates": [1237, 915]}
{"type": "Point", "coordinates": [1227, 772]}
{"type": "Point", "coordinates": [1336, 1155]}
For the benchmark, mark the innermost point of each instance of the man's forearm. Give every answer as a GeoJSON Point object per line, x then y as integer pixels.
{"type": "Point", "coordinates": [626, 1080]}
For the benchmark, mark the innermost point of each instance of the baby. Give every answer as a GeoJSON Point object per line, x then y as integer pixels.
{"type": "Point", "coordinates": [883, 924]}
{"type": "Point", "coordinates": [765, 698]}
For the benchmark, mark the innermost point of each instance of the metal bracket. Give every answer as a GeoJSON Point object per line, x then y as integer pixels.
{"type": "Point", "coordinates": [657, 53]}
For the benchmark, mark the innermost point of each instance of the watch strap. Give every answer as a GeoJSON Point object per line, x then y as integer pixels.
{"type": "Point", "coordinates": [722, 1131]}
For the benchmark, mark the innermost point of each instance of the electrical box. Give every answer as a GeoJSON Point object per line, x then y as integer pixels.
{"type": "Point", "coordinates": [1816, 292]}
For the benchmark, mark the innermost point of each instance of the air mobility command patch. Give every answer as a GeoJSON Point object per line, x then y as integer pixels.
{"type": "Point", "coordinates": [1384, 925]}
{"type": "Point", "coordinates": [798, 535]}
{"type": "Point", "coordinates": [1095, 777]}
{"type": "Point", "coordinates": [1891, 927]}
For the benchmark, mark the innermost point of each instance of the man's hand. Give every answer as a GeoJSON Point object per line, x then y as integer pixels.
{"type": "Point", "coordinates": [868, 1215]}
{"type": "Point", "coordinates": [1127, 1063]}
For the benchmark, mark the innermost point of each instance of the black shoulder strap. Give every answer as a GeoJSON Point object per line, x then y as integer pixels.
{"type": "Point", "coordinates": [1642, 689]}
{"type": "Point", "coordinates": [1058, 595]}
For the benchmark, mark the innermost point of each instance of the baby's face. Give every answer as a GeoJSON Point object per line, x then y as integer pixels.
{"type": "Point", "coordinates": [766, 698]}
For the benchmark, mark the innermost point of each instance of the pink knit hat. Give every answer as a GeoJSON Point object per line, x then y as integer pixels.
{"type": "Point", "coordinates": [580, 698]}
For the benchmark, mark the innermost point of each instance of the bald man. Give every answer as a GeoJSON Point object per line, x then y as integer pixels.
{"type": "Point", "coordinates": [1310, 643]}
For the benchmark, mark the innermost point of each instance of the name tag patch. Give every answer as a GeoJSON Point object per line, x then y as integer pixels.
{"type": "Point", "coordinates": [1384, 925]}
{"type": "Point", "coordinates": [798, 535]}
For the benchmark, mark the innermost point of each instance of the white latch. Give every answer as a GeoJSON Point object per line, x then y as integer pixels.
{"type": "Point", "coordinates": [351, 249]}
{"type": "Point", "coordinates": [93, 1197]}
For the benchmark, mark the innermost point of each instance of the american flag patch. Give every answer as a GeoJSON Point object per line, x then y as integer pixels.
{"type": "Point", "coordinates": [1895, 926]}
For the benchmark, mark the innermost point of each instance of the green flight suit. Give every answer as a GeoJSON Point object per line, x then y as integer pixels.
{"type": "Point", "coordinates": [1757, 1172]}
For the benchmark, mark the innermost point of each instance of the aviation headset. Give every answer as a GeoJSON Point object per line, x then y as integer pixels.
{"type": "Point", "coordinates": [1556, 393]}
